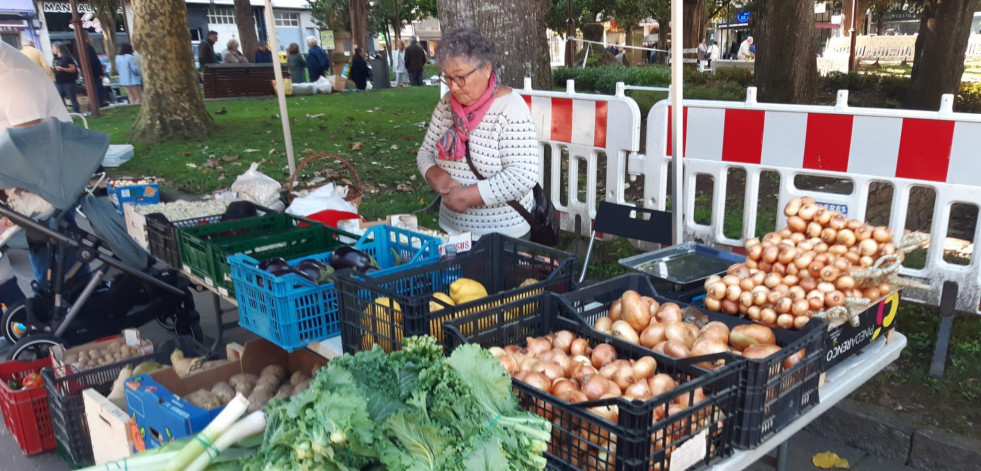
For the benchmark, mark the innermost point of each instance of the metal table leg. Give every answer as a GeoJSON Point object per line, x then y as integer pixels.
{"type": "Point", "coordinates": [220, 336]}
{"type": "Point", "coordinates": [782, 457]}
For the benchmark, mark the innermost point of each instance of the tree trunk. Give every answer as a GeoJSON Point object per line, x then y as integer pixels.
{"type": "Point", "coordinates": [173, 106]}
{"type": "Point", "coordinates": [245, 20]}
{"type": "Point", "coordinates": [694, 23]}
{"type": "Point", "coordinates": [105, 12]}
{"type": "Point", "coordinates": [517, 27]}
{"type": "Point", "coordinates": [359, 24]}
{"type": "Point", "coordinates": [938, 62]}
{"type": "Point", "coordinates": [786, 65]}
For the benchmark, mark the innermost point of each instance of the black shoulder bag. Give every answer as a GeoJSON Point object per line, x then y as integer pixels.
{"type": "Point", "coordinates": [544, 219]}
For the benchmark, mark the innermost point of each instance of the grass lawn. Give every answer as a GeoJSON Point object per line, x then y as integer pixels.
{"type": "Point", "coordinates": [379, 133]}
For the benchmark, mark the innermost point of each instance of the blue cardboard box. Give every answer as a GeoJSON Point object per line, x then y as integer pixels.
{"type": "Point", "coordinates": [133, 194]}
{"type": "Point", "coordinates": [154, 403]}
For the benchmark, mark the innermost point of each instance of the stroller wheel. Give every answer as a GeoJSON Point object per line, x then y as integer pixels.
{"type": "Point", "coordinates": [33, 347]}
{"type": "Point", "coordinates": [14, 322]}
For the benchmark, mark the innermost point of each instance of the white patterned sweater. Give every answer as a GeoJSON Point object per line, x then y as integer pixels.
{"type": "Point", "coordinates": [504, 148]}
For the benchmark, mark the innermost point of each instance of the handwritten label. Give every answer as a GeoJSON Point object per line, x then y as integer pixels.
{"type": "Point", "coordinates": [689, 453]}
{"type": "Point", "coordinates": [463, 242]}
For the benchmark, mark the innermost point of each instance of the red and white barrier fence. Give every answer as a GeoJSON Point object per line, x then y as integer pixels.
{"type": "Point", "coordinates": [906, 149]}
{"type": "Point", "coordinates": [589, 127]}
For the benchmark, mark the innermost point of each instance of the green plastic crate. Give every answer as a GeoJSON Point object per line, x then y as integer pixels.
{"type": "Point", "coordinates": [205, 249]}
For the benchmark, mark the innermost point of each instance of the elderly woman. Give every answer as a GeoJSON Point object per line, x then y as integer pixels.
{"type": "Point", "coordinates": [233, 55]}
{"type": "Point", "coordinates": [480, 152]}
{"type": "Point", "coordinates": [317, 62]}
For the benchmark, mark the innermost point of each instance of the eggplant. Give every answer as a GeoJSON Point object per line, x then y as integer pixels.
{"type": "Point", "coordinates": [315, 271]}
{"type": "Point", "coordinates": [274, 264]}
{"type": "Point", "coordinates": [349, 257]}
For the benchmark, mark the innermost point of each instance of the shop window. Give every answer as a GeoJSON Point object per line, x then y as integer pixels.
{"type": "Point", "coordinates": [221, 16]}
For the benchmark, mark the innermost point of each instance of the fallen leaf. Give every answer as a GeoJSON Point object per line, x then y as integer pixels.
{"type": "Point", "coordinates": [350, 118]}
{"type": "Point", "coordinates": [191, 165]}
{"type": "Point", "coordinates": [413, 178]}
{"type": "Point", "coordinates": [394, 147]}
{"type": "Point", "coordinates": [829, 460]}
{"type": "Point", "coordinates": [315, 116]}
{"type": "Point", "coordinates": [322, 127]}
{"type": "Point", "coordinates": [355, 146]}
{"type": "Point", "coordinates": [187, 154]}
{"type": "Point", "coordinates": [229, 158]}
{"type": "Point", "coordinates": [246, 151]}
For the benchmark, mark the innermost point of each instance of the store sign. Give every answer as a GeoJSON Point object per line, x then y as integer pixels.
{"type": "Point", "coordinates": [846, 340]}
{"type": "Point", "coordinates": [89, 22]}
{"type": "Point", "coordinates": [65, 7]}
{"type": "Point", "coordinates": [742, 16]}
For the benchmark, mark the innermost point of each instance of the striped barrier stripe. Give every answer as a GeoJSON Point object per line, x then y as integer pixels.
{"type": "Point", "coordinates": [570, 120]}
{"type": "Point", "coordinates": [938, 150]}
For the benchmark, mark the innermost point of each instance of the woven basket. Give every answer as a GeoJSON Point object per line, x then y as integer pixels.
{"type": "Point", "coordinates": [355, 193]}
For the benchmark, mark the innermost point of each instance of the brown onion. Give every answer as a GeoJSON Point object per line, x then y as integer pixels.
{"type": "Point", "coordinates": [784, 234]}
{"type": "Point", "coordinates": [768, 316]}
{"type": "Point", "coordinates": [772, 280]}
{"type": "Point", "coordinates": [746, 284]}
{"type": "Point", "coordinates": [580, 347]}
{"type": "Point", "coordinates": [742, 336]}
{"type": "Point", "coordinates": [755, 252]}
{"type": "Point", "coordinates": [563, 340]}
{"type": "Point", "coordinates": [712, 279]}
{"type": "Point", "coordinates": [713, 304]}
{"type": "Point", "coordinates": [582, 373]}
{"type": "Point", "coordinates": [845, 282]}
{"type": "Point", "coordinates": [825, 288]}
{"type": "Point", "coordinates": [707, 347]}
{"type": "Point", "coordinates": [538, 346]}
{"type": "Point", "coordinates": [822, 216]}
{"type": "Point", "coordinates": [615, 310]}
{"type": "Point", "coordinates": [797, 238]}
{"type": "Point", "coordinates": [537, 381]}
{"type": "Point", "coordinates": [751, 242]}
{"type": "Point", "coordinates": [746, 298]}
{"type": "Point", "coordinates": [509, 363]}
{"type": "Point", "coordinates": [868, 247]}
{"type": "Point", "coordinates": [820, 247]}
{"type": "Point", "coordinates": [639, 391]}
{"type": "Point", "coordinates": [596, 386]}
{"type": "Point", "coordinates": [751, 264]}
{"type": "Point", "coordinates": [676, 350]}
{"type": "Point", "coordinates": [785, 321]}
{"type": "Point", "coordinates": [766, 267]}
{"type": "Point", "coordinates": [829, 235]}
{"type": "Point", "coordinates": [730, 307]}
{"type": "Point", "coordinates": [759, 352]}
{"type": "Point", "coordinates": [754, 313]}
{"type": "Point", "coordinates": [866, 262]}
{"type": "Point", "coordinates": [871, 293]}
{"type": "Point", "coordinates": [654, 333]}
{"type": "Point", "coordinates": [770, 253]}
{"type": "Point", "coordinates": [807, 211]}
{"type": "Point", "coordinates": [791, 280]}
{"type": "Point", "coordinates": [759, 295]}
{"type": "Point", "coordinates": [882, 235]}
{"type": "Point", "coordinates": [730, 280]}
{"type": "Point", "coordinates": [552, 371]}
{"type": "Point", "coordinates": [787, 255]}
{"type": "Point", "coordinates": [784, 305]}
{"type": "Point", "coordinates": [801, 321]}
{"type": "Point", "coordinates": [814, 269]}
{"type": "Point", "coordinates": [813, 229]}
{"type": "Point", "coordinates": [842, 263]}
{"type": "Point", "coordinates": [624, 376]}
{"type": "Point", "coordinates": [661, 383]}
{"type": "Point", "coordinates": [603, 324]}
{"type": "Point", "coordinates": [846, 237]}
{"type": "Point", "coordinates": [623, 330]}
{"type": "Point", "coordinates": [562, 386]}
{"type": "Point", "coordinates": [680, 332]}
{"type": "Point", "coordinates": [796, 293]}
{"type": "Point", "coordinates": [808, 283]}
{"type": "Point", "coordinates": [864, 232]}
{"type": "Point", "coordinates": [804, 260]}
{"type": "Point", "coordinates": [801, 308]}
{"type": "Point", "coordinates": [794, 359]}
{"type": "Point", "coordinates": [815, 300]}
{"type": "Point", "coordinates": [830, 273]}
{"type": "Point", "coordinates": [887, 248]}
{"type": "Point", "coordinates": [603, 354]}
{"type": "Point", "coordinates": [793, 207]}
{"type": "Point", "coordinates": [644, 367]}
{"type": "Point", "coordinates": [796, 224]}
{"type": "Point", "coordinates": [669, 312]}
{"type": "Point", "coordinates": [884, 289]}
{"type": "Point", "coordinates": [837, 221]}
{"type": "Point", "coordinates": [834, 298]}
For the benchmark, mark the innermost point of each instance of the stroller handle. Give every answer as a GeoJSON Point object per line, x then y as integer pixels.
{"type": "Point", "coordinates": [31, 225]}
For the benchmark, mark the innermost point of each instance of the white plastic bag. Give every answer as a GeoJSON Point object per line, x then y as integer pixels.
{"type": "Point", "coordinates": [320, 199]}
{"type": "Point", "coordinates": [258, 188]}
{"type": "Point", "coordinates": [324, 85]}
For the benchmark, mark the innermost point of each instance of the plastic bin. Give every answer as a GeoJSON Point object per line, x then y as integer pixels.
{"type": "Point", "coordinates": [502, 264]}
{"type": "Point", "coordinates": [64, 390]}
{"type": "Point", "coordinates": [292, 311]}
{"type": "Point", "coordinates": [162, 234]}
{"type": "Point", "coordinates": [25, 411]}
{"type": "Point", "coordinates": [771, 396]}
{"type": "Point", "coordinates": [205, 249]}
{"type": "Point", "coordinates": [645, 437]}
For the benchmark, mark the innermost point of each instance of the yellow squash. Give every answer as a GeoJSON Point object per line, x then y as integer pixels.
{"type": "Point", "coordinates": [465, 290]}
{"type": "Point", "coordinates": [384, 318]}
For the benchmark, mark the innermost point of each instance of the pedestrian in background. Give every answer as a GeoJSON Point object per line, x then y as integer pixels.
{"type": "Point", "coordinates": [296, 63]}
{"type": "Point", "coordinates": [360, 73]}
{"type": "Point", "coordinates": [317, 62]}
{"type": "Point", "coordinates": [401, 73]}
{"type": "Point", "coordinates": [415, 62]}
{"type": "Point", "coordinates": [95, 65]}
{"type": "Point", "coordinates": [37, 57]}
{"type": "Point", "coordinates": [130, 75]}
{"type": "Point", "coordinates": [206, 50]}
{"type": "Point", "coordinates": [66, 73]}
{"type": "Point", "coordinates": [232, 54]}
{"type": "Point", "coordinates": [262, 54]}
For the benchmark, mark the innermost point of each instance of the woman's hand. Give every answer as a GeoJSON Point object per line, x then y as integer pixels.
{"type": "Point", "coordinates": [440, 181]}
{"type": "Point", "coordinates": [462, 198]}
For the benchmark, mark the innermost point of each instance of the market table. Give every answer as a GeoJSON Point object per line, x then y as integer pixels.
{"type": "Point", "coordinates": [840, 381]}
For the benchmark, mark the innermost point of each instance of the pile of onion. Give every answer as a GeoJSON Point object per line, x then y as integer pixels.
{"type": "Point", "coordinates": [802, 269]}
{"type": "Point", "coordinates": [571, 369]}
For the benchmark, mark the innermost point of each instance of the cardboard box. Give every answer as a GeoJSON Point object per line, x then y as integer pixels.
{"type": "Point", "coordinates": [130, 337]}
{"type": "Point", "coordinates": [144, 193]}
{"type": "Point", "coordinates": [154, 400]}
{"type": "Point", "coordinates": [846, 340]}
{"type": "Point", "coordinates": [136, 226]}
{"type": "Point", "coordinates": [108, 428]}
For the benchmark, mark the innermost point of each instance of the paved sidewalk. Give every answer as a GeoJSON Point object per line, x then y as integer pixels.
{"type": "Point", "coordinates": [803, 446]}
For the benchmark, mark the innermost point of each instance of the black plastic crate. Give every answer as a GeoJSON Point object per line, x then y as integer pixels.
{"type": "Point", "coordinates": [502, 264]}
{"type": "Point", "coordinates": [161, 234]}
{"type": "Point", "coordinates": [772, 397]}
{"type": "Point", "coordinates": [68, 409]}
{"type": "Point", "coordinates": [645, 436]}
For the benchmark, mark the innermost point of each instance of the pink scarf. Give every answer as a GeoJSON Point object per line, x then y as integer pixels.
{"type": "Point", "coordinates": [453, 144]}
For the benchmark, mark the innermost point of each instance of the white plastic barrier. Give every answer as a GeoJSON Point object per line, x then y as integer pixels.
{"type": "Point", "coordinates": [585, 125]}
{"type": "Point", "coordinates": [939, 150]}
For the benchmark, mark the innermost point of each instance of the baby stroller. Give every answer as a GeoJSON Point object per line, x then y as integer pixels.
{"type": "Point", "coordinates": [111, 284]}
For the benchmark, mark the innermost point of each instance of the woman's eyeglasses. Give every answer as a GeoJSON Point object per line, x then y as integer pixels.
{"type": "Point", "coordinates": [459, 81]}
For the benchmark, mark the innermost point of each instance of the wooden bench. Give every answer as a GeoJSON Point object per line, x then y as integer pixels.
{"type": "Point", "coordinates": [239, 80]}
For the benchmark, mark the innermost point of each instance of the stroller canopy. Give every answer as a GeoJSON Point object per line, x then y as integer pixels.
{"type": "Point", "coordinates": [52, 159]}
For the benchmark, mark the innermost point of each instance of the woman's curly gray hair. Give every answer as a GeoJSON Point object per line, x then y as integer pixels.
{"type": "Point", "coordinates": [469, 45]}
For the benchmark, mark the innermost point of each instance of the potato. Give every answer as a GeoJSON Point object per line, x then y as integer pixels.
{"type": "Point", "coordinates": [285, 391]}
{"type": "Point", "coordinates": [274, 370]}
{"type": "Point", "coordinates": [298, 388]}
{"type": "Point", "coordinates": [243, 383]}
{"type": "Point", "coordinates": [203, 399]}
{"type": "Point", "coordinates": [268, 380]}
{"type": "Point", "coordinates": [223, 391]}
{"type": "Point", "coordinates": [299, 377]}
{"type": "Point", "coordinates": [69, 359]}
{"type": "Point", "coordinates": [259, 398]}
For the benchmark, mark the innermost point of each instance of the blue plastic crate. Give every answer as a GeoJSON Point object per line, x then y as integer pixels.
{"type": "Point", "coordinates": [293, 312]}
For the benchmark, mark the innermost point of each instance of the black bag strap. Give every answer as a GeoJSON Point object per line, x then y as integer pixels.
{"type": "Point", "coordinates": [514, 204]}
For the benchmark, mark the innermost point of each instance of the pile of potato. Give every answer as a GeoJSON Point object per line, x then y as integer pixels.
{"type": "Point", "coordinates": [802, 269]}
{"type": "Point", "coordinates": [273, 382]}
{"type": "Point", "coordinates": [102, 354]}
